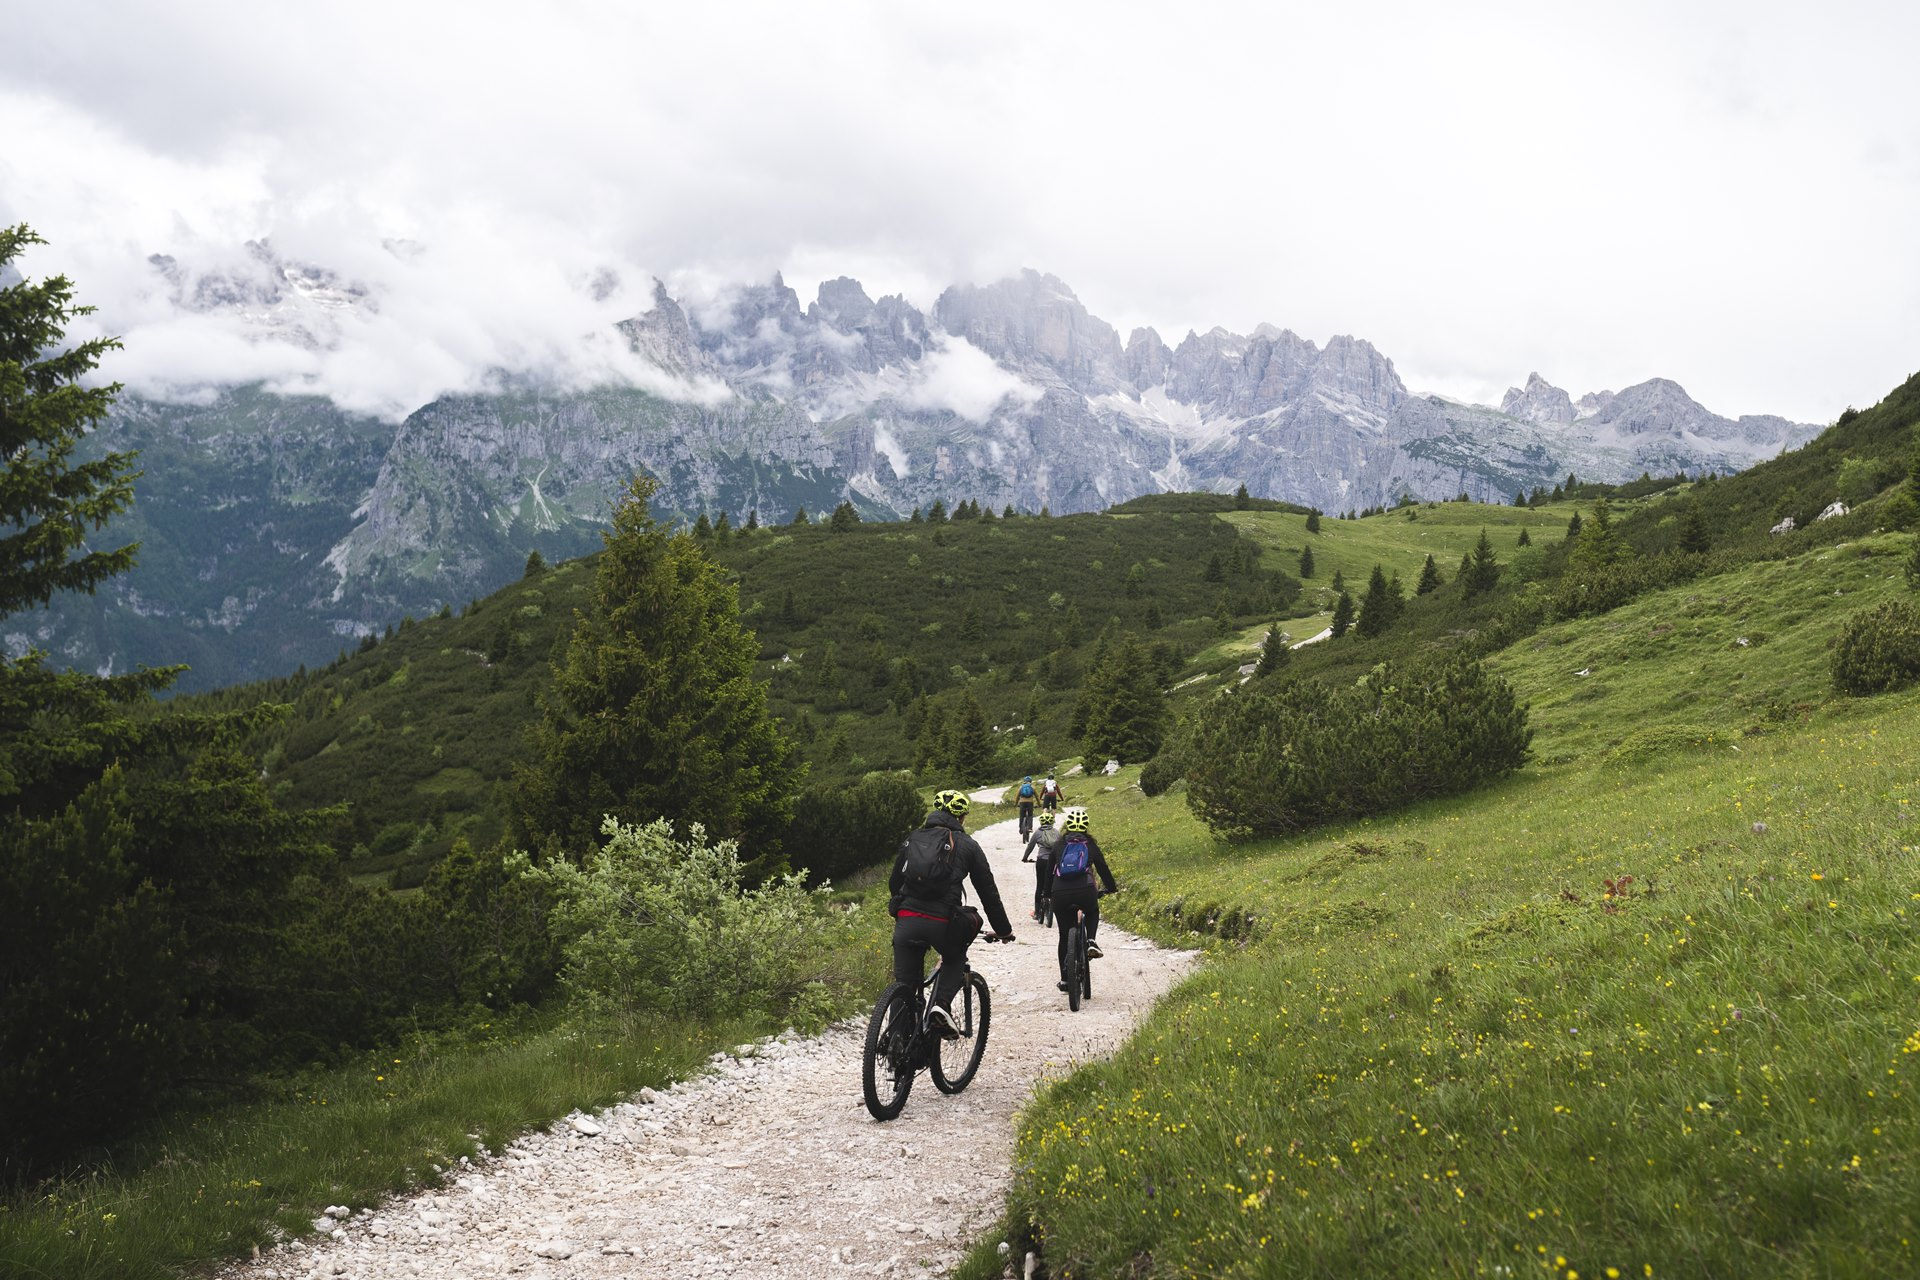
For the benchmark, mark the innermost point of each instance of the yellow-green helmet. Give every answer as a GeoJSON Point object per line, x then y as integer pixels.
{"type": "Point", "coordinates": [1046, 818]}
{"type": "Point", "coordinates": [954, 802]}
{"type": "Point", "coordinates": [1077, 820]}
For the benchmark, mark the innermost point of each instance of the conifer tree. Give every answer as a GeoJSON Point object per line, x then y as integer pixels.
{"type": "Point", "coordinates": [753, 519]}
{"type": "Point", "coordinates": [937, 513]}
{"type": "Point", "coordinates": [1242, 500]}
{"type": "Point", "coordinates": [970, 743]}
{"type": "Point", "coordinates": [1693, 533]}
{"type": "Point", "coordinates": [1313, 521]}
{"type": "Point", "coordinates": [799, 516]}
{"type": "Point", "coordinates": [1376, 608]}
{"type": "Point", "coordinates": [1429, 577]}
{"type": "Point", "coordinates": [1009, 513]}
{"type": "Point", "coordinates": [1136, 580]}
{"type": "Point", "coordinates": [1481, 570]}
{"type": "Point", "coordinates": [1597, 547]}
{"type": "Point", "coordinates": [1274, 652]}
{"type": "Point", "coordinates": [1342, 615]}
{"type": "Point", "coordinates": [536, 564]}
{"type": "Point", "coordinates": [722, 530]}
{"type": "Point", "coordinates": [1573, 526]}
{"type": "Point", "coordinates": [1153, 619]}
{"type": "Point", "coordinates": [1126, 712]}
{"type": "Point", "coordinates": [844, 517]}
{"type": "Point", "coordinates": [703, 528]}
{"type": "Point", "coordinates": [1306, 562]}
{"type": "Point", "coordinates": [918, 517]}
{"type": "Point", "coordinates": [1524, 540]}
{"type": "Point", "coordinates": [1216, 571]}
{"type": "Point", "coordinates": [1045, 514]}
{"type": "Point", "coordinates": [1519, 497]}
{"type": "Point", "coordinates": [654, 711]}
{"type": "Point", "coordinates": [1339, 583]}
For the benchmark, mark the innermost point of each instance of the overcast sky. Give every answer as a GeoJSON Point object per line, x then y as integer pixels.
{"type": "Point", "coordinates": [1723, 194]}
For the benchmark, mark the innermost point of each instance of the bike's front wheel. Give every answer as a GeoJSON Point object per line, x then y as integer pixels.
{"type": "Point", "coordinates": [887, 1068]}
{"type": "Point", "coordinates": [955, 1061]}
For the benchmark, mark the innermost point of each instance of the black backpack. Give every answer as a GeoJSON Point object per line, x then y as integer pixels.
{"type": "Point", "coordinates": [931, 864]}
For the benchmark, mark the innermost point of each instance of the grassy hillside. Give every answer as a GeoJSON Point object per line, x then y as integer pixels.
{"type": "Point", "coordinates": [1647, 1011]}
{"type": "Point", "coordinates": [419, 732]}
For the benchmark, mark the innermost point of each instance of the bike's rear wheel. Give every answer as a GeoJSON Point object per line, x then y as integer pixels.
{"type": "Point", "coordinates": [887, 1067]}
{"type": "Point", "coordinates": [1086, 966]}
{"type": "Point", "coordinates": [955, 1061]}
{"type": "Point", "coordinates": [1076, 964]}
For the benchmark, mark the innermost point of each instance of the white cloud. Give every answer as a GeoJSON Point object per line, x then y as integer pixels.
{"type": "Point", "coordinates": [958, 376]}
{"type": "Point", "coordinates": [1721, 194]}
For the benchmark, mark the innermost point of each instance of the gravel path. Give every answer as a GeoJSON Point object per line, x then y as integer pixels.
{"type": "Point", "coordinates": [769, 1164]}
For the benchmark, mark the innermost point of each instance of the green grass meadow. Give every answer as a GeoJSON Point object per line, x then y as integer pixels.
{"type": "Point", "coordinates": [1651, 1010]}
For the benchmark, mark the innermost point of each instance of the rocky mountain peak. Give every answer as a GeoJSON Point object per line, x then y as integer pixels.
{"type": "Point", "coordinates": [1147, 359]}
{"type": "Point", "coordinates": [1035, 324]}
{"type": "Point", "coordinates": [842, 304]}
{"type": "Point", "coordinates": [1540, 403]}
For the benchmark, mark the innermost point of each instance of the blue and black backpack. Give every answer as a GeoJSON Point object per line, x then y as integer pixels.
{"type": "Point", "coordinates": [1076, 855]}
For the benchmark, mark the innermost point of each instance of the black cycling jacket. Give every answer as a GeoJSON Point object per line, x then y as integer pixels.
{"type": "Point", "coordinates": [973, 862]}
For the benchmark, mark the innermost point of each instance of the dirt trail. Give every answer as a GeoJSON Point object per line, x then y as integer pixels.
{"type": "Point", "coordinates": [769, 1165]}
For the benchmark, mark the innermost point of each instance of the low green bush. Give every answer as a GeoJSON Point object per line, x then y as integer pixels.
{"type": "Point", "coordinates": [836, 831]}
{"type": "Point", "coordinates": [1269, 761]}
{"type": "Point", "coordinates": [650, 924]}
{"type": "Point", "coordinates": [1878, 650]}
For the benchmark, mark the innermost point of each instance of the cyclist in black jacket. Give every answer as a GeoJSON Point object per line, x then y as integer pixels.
{"type": "Point", "coordinates": [1079, 890]}
{"type": "Point", "coordinates": [933, 912]}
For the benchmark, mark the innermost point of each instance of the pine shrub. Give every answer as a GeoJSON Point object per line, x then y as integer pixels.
{"type": "Point", "coordinates": [1879, 650]}
{"type": "Point", "coordinates": [1275, 760]}
{"type": "Point", "coordinates": [837, 831]}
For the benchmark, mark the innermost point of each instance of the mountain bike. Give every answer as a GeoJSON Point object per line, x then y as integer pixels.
{"type": "Point", "coordinates": [901, 1042]}
{"type": "Point", "coordinates": [1079, 963]}
{"type": "Point", "coordinates": [1026, 820]}
{"type": "Point", "coordinates": [1079, 967]}
{"type": "Point", "coordinates": [1046, 912]}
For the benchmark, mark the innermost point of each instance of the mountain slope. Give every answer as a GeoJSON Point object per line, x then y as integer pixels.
{"type": "Point", "coordinates": [1011, 393]}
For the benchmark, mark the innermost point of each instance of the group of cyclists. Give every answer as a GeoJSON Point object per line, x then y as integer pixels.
{"type": "Point", "coordinates": [928, 888]}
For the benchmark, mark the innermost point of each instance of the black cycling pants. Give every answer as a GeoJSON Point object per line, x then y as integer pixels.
{"type": "Point", "coordinates": [1087, 899]}
{"type": "Point", "coordinates": [913, 935]}
{"type": "Point", "coordinates": [1042, 881]}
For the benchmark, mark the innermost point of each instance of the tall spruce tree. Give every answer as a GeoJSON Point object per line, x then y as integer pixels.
{"type": "Point", "coordinates": [1429, 577]}
{"type": "Point", "coordinates": [1377, 608]}
{"type": "Point", "coordinates": [654, 710]}
{"type": "Point", "coordinates": [1274, 653]}
{"type": "Point", "coordinates": [1306, 562]}
{"type": "Point", "coordinates": [1126, 712]}
{"type": "Point", "coordinates": [1693, 533]}
{"type": "Point", "coordinates": [1481, 569]}
{"type": "Point", "coordinates": [970, 742]}
{"type": "Point", "coordinates": [1342, 615]}
{"type": "Point", "coordinates": [1524, 540]}
{"type": "Point", "coordinates": [1313, 521]}
{"type": "Point", "coordinates": [144, 872]}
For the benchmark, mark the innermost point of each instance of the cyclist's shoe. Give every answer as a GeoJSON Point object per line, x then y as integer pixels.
{"type": "Point", "coordinates": [941, 1020]}
{"type": "Point", "coordinates": [1093, 951]}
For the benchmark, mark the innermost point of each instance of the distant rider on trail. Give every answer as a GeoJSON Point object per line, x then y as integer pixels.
{"type": "Point", "coordinates": [1040, 852]}
{"type": "Point", "coordinates": [1050, 797]}
{"type": "Point", "coordinates": [1026, 798]}
{"type": "Point", "coordinates": [928, 888]}
{"type": "Point", "coordinates": [1075, 865]}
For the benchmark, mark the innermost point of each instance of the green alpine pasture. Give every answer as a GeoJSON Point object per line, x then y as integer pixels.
{"type": "Point", "coordinates": [1653, 1009]}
